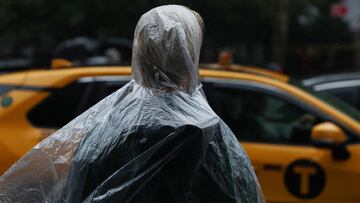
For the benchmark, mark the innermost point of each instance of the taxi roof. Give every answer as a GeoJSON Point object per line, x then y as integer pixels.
{"type": "Point", "coordinates": [247, 69]}
{"type": "Point", "coordinates": [213, 70]}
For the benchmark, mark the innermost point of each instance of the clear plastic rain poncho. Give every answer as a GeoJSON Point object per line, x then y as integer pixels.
{"type": "Point", "coordinates": [154, 140]}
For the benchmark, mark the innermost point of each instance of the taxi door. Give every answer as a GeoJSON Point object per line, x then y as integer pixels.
{"type": "Point", "coordinates": [275, 132]}
{"type": "Point", "coordinates": [299, 174]}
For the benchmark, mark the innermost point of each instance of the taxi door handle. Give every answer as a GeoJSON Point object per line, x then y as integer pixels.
{"type": "Point", "coordinates": [272, 167]}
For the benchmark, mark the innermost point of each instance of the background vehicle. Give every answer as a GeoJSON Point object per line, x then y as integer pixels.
{"type": "Point", "coordinates": [302, 146]}
{"type": "Point", "coordinates": [345, 86]}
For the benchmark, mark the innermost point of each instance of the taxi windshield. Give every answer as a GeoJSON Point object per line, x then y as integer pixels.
{"type": "Point", "coordinates": [328, 99]}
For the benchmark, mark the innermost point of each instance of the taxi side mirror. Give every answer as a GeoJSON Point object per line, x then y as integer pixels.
{"type": "Point", "coordinates": [329, 135]}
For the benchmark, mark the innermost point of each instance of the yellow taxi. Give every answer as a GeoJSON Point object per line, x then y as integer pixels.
{"type": "Point", "coordinates": [304, 146]}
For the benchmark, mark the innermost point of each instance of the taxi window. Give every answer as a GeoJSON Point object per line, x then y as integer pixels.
{"type": "Point", "coordinates": [4, 89]}
{"type": "Point", "coordinates": [65, 104]}
{"type": "Point", "coordinates": [258, 116]}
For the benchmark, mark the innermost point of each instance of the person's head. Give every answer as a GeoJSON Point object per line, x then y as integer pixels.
{"type": "Point", "coordinates": [166, 49]}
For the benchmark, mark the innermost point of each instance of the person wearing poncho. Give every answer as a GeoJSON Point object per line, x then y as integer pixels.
{"type": "Point", "coordinates": [154, 140]}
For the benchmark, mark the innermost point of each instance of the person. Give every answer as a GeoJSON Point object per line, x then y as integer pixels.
{"type": "Point", "coordinates": [154, 140]}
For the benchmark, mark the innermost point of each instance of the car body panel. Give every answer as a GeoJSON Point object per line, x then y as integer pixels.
{"type": "Point", "coordinates": [331, 78]}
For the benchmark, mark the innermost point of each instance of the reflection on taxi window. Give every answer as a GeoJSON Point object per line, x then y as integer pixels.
{"type": "Point", "coordinates": [260, 117]}
{"type": "Point", "coordinates": [65, 104]}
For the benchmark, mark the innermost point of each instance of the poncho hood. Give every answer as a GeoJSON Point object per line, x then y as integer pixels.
{"type": "Point", "coordinates": [166, 49]}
